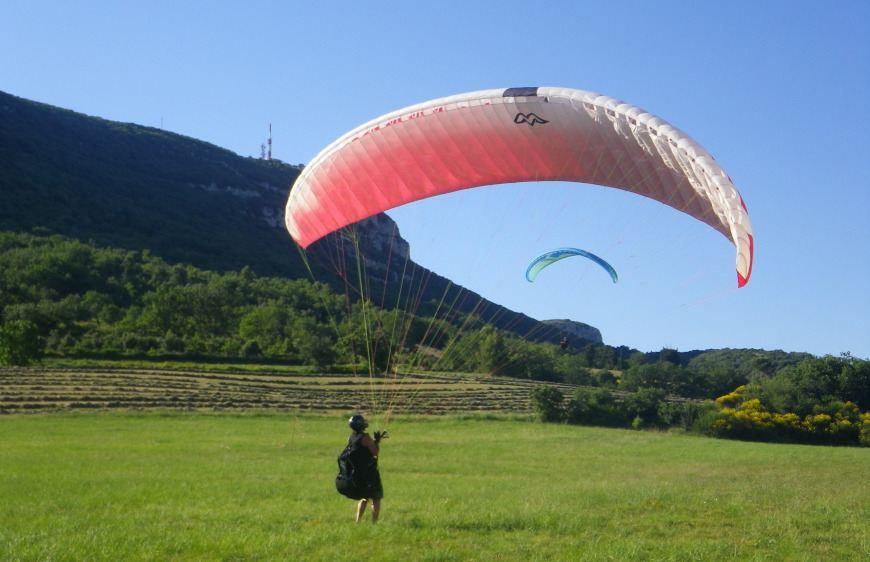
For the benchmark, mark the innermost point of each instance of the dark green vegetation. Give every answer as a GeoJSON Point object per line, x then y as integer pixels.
{"type": "Point", "coordinates": [81, 300]}
{"type": "Point", "coordinates": [142, 189]}
{"type": "Point", "coordinates": [259, 486]}
{"type": "Point", "coordinates": [814, 401]}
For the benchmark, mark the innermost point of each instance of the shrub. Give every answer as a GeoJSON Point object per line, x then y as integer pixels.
{"type": "Point", "coordinates": [547, 403]}
{"type": "Point", "coordinates": [688, 415]}
{"type": "Point", "coordinates": [20, 343]}
{"type": "Point", "coordinates": [596, 407]}
{"type": "Point", "coordinates": [835, 423]}
{"type": "Point", "coordinates": [646, 404]}
{"type": "Point", "coordinates": [864, 429]}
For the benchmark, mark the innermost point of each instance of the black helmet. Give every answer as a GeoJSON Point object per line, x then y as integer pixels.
{"type": "Point", "coordinates": [357, 422]}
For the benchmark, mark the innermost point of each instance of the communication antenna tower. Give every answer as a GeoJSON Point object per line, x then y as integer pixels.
{"type": "Point", "coordinates": [269, 145]}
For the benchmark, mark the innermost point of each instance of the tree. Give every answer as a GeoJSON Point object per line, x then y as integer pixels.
{"type": "Point", "coordinates": [547, 403]}
{"type": "Point", "coordinates": [651, 375]}
{"type": "Point", "coordinates": [20, 343]}
{"type": "Point", "coordinates": [268, 324]}
{"type": "Point", "coordinates": [595, 407]}
{"type": "Point", "coordinates": [854, 380]}
{"type": "Point", "coordinates": [637, 359]}
{"type": "Point", "coordinates": [492, 351]}
{"type": "Point", "coordinates": [668, 355]}
{"type": "Point", "coordinates": [818, 381]}
{"type": "Point", "coordinates": [762, 364]}
{"type": "Point", "coordinates": [315, 343]}
{"type": "Point", "coordinates": [645, 405]}
{"type": "Point", "coordinates": [573, 370]}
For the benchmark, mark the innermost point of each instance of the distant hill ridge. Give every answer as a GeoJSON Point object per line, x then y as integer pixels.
{"type": "Point", "coordinates": [187, 201]}
{"type": "Point", "coordinates": [142, 188]}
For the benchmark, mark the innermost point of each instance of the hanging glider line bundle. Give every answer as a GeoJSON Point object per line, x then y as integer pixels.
{"type": "Point", "coordinates": [508, 136]}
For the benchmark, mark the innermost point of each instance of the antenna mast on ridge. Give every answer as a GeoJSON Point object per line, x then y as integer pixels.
{"type": "Point", "coordinates": [269, 146]}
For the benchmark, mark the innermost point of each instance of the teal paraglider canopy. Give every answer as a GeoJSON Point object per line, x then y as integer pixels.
{"type": "Point", "coordinates": [553, 256]}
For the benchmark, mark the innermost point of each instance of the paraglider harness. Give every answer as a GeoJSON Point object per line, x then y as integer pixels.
{"type": "Point", "coordinates": [357, 468]}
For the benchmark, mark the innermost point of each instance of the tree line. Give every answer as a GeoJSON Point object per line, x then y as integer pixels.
{"type": "Point", "coordinates": [77, 298]}
{"type": "Point", "coordinates": [63, 297]}
{"type": "Point", "coordinates": [60, 296]}
{"type": "Point", "coordinates": [818, 400]}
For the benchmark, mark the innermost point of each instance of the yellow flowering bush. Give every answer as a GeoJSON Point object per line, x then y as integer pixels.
{"type": "Point", "coordinates": [816, 424]}
{"type": "Point", "coordinates": [732, 399]}
{"type": "Point", "coordinates": [864, 429]}
{"type": "Point", "coordinates": [742, 418]}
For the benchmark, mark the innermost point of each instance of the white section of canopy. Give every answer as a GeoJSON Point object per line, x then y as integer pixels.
{"type": "Point", "coordinates": [487, 137]}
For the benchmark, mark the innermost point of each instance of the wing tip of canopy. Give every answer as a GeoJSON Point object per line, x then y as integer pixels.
{"type": "Point", "coordinates": [742, 279]}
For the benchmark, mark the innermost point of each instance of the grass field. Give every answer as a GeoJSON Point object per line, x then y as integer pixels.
{"type": "Point", "coordinates": [258, 486]}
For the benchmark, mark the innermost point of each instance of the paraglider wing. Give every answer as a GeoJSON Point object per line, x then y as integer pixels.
{"type": "Point", "coordinates": [508, 136]}
{"type": "Point", "coordinates": [553, 256]}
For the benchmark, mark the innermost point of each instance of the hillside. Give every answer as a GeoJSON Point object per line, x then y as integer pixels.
{"type": "Point", "coordinates": [142, 188]}
{"type": "Point", "coordinates": [187, 201]}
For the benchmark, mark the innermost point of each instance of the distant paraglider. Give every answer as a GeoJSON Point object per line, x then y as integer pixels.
{"type": "Point", "coordinates": [553, 256]}
{"type": "Point", "coordinates": [507, 136]}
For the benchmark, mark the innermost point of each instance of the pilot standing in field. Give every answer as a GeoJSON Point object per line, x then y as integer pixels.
{"type": "Point", "coordinates": [373, 490]}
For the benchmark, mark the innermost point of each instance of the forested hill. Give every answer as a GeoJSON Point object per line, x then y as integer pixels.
{"type": "Point", "coordinates": [141, 188]}
{"type": "Point", "coordinates": [186, 201]}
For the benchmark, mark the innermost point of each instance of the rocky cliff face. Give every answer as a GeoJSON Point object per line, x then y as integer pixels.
{"type": "Point", "coordinates": [385, 255]}
{"type": "Point", "coordinates": [381, 234]}
{"type": "Point", "coordinates": [576, 331]}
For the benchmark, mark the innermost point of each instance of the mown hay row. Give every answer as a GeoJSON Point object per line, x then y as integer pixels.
{"type": "Point", "coordinates": [46, 389]}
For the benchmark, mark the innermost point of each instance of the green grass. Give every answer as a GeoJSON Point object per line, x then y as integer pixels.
{"type": "Point", "coordinates": [258, 486]}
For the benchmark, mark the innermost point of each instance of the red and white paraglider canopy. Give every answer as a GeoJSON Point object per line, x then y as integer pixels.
{"type": "Point", "coordinates": [508, 136]}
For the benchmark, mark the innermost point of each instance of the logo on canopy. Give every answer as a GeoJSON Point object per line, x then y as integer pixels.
{"type": "Point", "coordinates": [529, 118]}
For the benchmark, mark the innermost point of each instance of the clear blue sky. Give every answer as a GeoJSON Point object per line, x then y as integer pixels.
{"type": "Point", "coordinates": [777, 91]}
